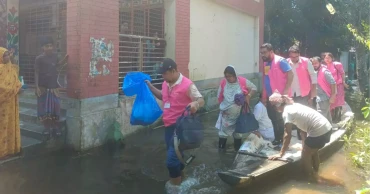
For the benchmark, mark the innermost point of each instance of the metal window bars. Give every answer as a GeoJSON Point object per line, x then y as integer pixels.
{"type": "Point", "coordinates": [141, 54]}
{"type": "Point", "coordinates": [141, 47]}
{"type": "Point", "coordinates": [40, 18]}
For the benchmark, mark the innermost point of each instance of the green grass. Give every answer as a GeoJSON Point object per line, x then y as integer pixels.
{"type": "Point", "coordinates": [358, 143]}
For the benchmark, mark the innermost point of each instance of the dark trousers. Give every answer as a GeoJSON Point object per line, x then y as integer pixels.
{"type": "Point", "coordinates": [277, 121]}
{"type": "Point", "coordinates": [168, 134]}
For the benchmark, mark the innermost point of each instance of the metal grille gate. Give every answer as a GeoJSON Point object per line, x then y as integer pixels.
{"type": "Point", "coordinates": [142, 46]}
{"type": "Point", "coordinates": [40, 18]}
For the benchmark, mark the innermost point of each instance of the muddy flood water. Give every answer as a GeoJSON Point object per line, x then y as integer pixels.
{"type": "Point", "coordinates": [139, 168]}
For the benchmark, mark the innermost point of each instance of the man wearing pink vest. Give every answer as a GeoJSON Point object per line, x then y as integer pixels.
{"type": "Point", "coordinates": [305, 78]}
{"type": "Point", "coordinates": [178, 92]}
{"type": "Point", "coordinates": [326, 88]}
{"type": "Point", "coordinates": [304, 81]}
{"type": "Point", "coordinates": [277, 76]}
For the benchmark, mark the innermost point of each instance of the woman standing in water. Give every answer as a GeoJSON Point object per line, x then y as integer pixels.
{"type": "Point", "coordinates": [229, 110]}
{"type": "Point", "coordinates": [10, 138]}
{"type": "Point", "coordinates": [46, 75]}
{"type": "Point", "coordinates": [336, 69]}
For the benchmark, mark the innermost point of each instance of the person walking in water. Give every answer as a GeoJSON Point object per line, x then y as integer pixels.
{"type": "Point", "coordinates": [304, 80]}
{"type": "Point", "coordinates": [178, 92]}
{"type": "Point", "coordinates": [230, 86]}
{"type": "Point", "coordinates": [336, 69]}
{"type": "Point", "coordinates": [315, 132]}
{"type": "Point", "coordinates": [278, 76]}
{"type": "Point", "coordinates": [326, 88]}
{"type": "Point", "coordinates": [46, 75]}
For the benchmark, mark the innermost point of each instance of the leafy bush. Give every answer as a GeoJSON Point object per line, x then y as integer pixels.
{"type": "Point", "coordinates": [358, 143]}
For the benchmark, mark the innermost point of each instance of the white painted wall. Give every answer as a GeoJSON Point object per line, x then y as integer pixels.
{"type": "Point", "coordinates": [219, 36]}
{"type": "Point", "coordinates": [170, 27]}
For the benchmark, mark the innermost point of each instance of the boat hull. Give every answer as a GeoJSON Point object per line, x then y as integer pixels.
{"type": "Point", "coordinates": [247, 169]}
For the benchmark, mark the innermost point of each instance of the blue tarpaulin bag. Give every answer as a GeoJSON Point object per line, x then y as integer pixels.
{"type": "Point", "coordinates": [146, 109]}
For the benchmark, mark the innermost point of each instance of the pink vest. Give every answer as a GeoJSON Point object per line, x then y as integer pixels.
{"type": "Point", "coordinates": [333, 68]}
{"type": "Point", "coordinates": [177, 99]}
{"type": "Point", "coordinates": [277, 77]}
{"type": "Point", "coordinates": [242, 83]}
{"type": "Point", "coordinates": [303, 76]}
{"type": "Point", "coordinates": [322, 81]}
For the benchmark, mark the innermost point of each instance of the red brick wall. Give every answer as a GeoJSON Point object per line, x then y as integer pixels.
{"type": "Point", "coordinates": [85, 19]}
{"type": "Point", "coordinates": [253, 8]}
{"type": "Point", "coordinates": [183, 36]}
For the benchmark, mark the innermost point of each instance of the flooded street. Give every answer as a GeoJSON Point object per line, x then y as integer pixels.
{"type": "Point", "coordinates": [139, 168]}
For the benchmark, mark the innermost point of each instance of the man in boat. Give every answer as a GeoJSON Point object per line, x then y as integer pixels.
{"type": "Point", "coordinates": [315, 132]}
{"type": "Point", "coordinates": [278, 76]}
{"type": "Point", "coordinates": [304, 80]}
{"type": "Point", "coordinates": [178, 92]}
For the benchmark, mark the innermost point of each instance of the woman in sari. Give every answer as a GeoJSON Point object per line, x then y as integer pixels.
{"type": "Point", "coordinates": [231, 86]}
{"type": "Point", "coordinates": [336, 69]}
{"type": "Point", "coordinates": [10, 138]}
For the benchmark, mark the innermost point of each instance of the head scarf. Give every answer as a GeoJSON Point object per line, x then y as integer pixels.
{"type": "Point", "coordinates": [277, 99]}
{"type": "Point", "coordinates": [230, 68]}
{"type": "Point", "coordinates": [2, 51]}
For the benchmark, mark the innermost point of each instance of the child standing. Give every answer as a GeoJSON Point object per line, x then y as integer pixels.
{"type": "Point", "coordinates": [46, 75]}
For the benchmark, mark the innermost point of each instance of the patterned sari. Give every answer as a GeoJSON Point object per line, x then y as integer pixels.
{"type": "Point", "coordinates": [10, 138]}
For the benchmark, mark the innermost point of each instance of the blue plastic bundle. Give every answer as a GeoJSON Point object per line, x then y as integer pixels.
{"type": "Point", "coordinates": [146, 109]}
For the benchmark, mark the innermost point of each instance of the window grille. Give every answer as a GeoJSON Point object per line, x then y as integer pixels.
{"type": "Point", "coordinates": [40, 18]}
{"type": "Point", "coordinates": [142, 46]}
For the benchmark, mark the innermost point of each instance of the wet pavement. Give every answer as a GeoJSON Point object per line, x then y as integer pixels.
{"type": "Point", "coordinates": [139, 168]}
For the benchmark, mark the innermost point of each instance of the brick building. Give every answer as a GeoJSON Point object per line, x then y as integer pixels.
{"type": "Point", "coordinates": [107, 39]}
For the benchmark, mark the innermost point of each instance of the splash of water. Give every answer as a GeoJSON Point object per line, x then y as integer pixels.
{"type": "Point", "coordinates": [201, 181]}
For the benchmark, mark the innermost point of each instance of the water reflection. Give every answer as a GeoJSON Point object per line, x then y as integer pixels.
{"type": "Point", "coordinates": [139, 168]}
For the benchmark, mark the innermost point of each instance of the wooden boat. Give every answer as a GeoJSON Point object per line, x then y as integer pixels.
{"type": "Point", "coordinates": [251, 164]}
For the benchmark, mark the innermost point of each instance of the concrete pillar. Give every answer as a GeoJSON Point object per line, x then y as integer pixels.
{"type": "Point", "coordinates": [92, 45]}
{"type": "Point", "coordinates": [182, 43]}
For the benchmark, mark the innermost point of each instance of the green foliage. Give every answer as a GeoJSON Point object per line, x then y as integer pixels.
{"type": "Point", "coordinates": [361, 37]}
{"type": "Point", "coordinates": [358, 145]}
{"type": "Point", "coordinates": [366, 110]}
{"type": "Point", "coordinates": [307, 21]}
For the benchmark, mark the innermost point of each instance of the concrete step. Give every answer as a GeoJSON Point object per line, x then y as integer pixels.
{"type": "Point", "coordinates": [28, 115]}
{"type": "Point", "coordinates": [28, 142]}
{"type": "Point", "coordinates": [29, 99]}
{"type": "Point", "coordinates": [32, 130]}
{"type": "Point", "coordinates": [31, 103]}
{"type": "Point", "coordinates": [32, 147]}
